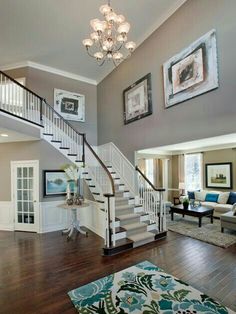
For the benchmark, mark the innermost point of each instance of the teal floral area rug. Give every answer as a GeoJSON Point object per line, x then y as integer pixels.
{"type": "Point", "coordinates": [143, 288]}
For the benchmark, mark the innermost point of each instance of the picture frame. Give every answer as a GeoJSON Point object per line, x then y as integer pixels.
{"type": "Point", "coordinates": [137, 100]}
{"type": "Point", "coordinates": [55, 183]}
{"type": "Point", "coordinates": [71, 106]}
{"type": "Point", "coordinates": [192, 72]}
{"type": "Point", "coordinates": [219, 175]}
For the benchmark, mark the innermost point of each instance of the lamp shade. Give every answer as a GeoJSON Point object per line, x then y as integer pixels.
{"type": "Point", "coordinates": [181, 186]}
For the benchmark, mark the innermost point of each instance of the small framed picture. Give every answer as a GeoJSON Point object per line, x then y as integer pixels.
{"type": "Point", "coordinates": [70, 106]}
{"type": "Point", "coordinates": [219, 175]}
{"type": "Point", "coordinates": [55, 183]}
{"type": "Point", "coordinates": [138, 100]}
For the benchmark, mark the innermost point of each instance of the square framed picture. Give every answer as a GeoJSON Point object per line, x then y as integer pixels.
{"type": "Point", "coordinates": [55, 183]}
{"type": "Point", "coordinates": [219, 175]}
{"type": "Point", "coordinates": [138, 100]}
{"type": "Point", "coordinates": [192, 72]}
{"type": "Point", "coordinates": [70, 106]}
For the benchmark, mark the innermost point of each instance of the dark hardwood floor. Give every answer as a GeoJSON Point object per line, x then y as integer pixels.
{"type": "Point", "coordinates": [37, 271]}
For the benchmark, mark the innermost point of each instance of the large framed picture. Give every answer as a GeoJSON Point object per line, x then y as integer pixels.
{"type": "Point", "coordinates": [70, 106]}
{"type": "Point", "coordinates": [55, 183]}
{"type": "Point", "coordinates": [219, 175]}
{"type": "Point", "coordinates": [138, 100]}
{"type": "Point", "coordinates": [192, 72]}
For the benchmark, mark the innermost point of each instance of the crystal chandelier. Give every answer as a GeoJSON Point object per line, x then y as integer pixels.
{"type": "Point", "coordinates": [109, 39]}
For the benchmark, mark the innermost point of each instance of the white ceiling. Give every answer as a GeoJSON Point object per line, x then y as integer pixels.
{"type": "Point", "coordinates": [14, 136]}
{"type": "Point", "coordinates": [50, 32]}
{"type": "Point", "coordinates": [212, 143]}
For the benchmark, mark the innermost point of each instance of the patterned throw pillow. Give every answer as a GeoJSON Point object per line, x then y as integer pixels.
{"type": "Point", "coordinates": [200, 196]}
{"type": "Point", "coordinates": [223, 198]}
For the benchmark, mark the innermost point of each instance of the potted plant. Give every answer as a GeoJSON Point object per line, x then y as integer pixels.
{"type": "Point", "coordinates": [185, 203]}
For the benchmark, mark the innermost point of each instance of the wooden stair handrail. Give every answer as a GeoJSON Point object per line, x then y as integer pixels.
{"type": "Point", "coordinates": [148, 181]}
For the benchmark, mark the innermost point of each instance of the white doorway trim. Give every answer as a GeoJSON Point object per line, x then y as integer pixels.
{"type": "Point", "coordinates": [35, 226]}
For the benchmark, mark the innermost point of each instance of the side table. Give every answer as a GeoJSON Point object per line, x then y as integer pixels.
{"type": "Point", "coordinates": [75, 224]}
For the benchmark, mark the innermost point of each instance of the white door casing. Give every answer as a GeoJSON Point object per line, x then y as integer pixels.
{"type": "Point", "coordinates": [25, 194]}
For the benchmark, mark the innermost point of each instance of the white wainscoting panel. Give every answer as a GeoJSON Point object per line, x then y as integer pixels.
{"type": "Point", "coordinates": [93, 218]}
{"type": "Point", "coordinates": [6, 216]}
{"type": "Point", "coordinates": [51, 217]}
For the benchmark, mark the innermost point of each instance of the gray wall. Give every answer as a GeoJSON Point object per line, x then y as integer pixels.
{"type": "Point", "coordinates": [207, 115]}
{"type": "Point", "coordinates": [43, 83]}
{"type": "Point", "coordinates": [48, 158]}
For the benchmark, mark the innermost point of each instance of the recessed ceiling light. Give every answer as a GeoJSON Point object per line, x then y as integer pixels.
{"type": "Point", "coordinates": [4, 135]}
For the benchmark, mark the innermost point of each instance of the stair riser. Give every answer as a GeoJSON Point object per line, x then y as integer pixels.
{"type": "Point", "coordinates": [124, 211]}
{"type": "Point", "coordinates": [143, 242]}
{"type": "Point", "coordinates": [136, 231]}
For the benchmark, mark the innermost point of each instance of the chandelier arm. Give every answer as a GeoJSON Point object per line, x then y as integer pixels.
{"type": "Point", "coordinates": [90, 54]}
{"type": "Point", "coordinates": [103, 61]}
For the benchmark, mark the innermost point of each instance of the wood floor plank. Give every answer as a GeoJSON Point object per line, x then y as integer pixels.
{"type": "Point", "coordinates": [37, 271]}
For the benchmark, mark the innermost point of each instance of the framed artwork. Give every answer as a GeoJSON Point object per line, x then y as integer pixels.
{"type": "Point", "coordinates": [192, 72]}
{"type": "Point", "coordinates": [70, 106]}
{"type": "Point", "coordinates": [55, 183]}
{"type": "Point", "coordinates": [138, 100]}
{"type": "Point", "coordinates": [219, 175]}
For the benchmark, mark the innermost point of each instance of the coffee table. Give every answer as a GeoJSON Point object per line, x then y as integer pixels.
{"type": "Point", "coordinates": [198, 212]}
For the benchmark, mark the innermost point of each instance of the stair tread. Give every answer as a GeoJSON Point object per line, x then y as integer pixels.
{"type": "Point", "coordinates": [135, 225]}
{"type": "Point", "coordinates": [121, 207]}
{"type": "Point", "coordinates": [128, 216]}
{"type": "Point", "coordinates": [142, 236]}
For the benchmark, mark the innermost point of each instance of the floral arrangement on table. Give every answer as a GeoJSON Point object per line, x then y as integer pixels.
{"type": "Point", "coordinates": [73, 175]}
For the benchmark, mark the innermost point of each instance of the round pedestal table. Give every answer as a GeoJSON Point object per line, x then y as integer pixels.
{"type": "Point", "coordinates": [75, 225]}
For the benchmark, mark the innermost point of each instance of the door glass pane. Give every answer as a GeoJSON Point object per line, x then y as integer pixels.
{"type": "Point", "coordinates": [25, 186]}
{"type": "Point", "coordinates": [25, 207]}
{"type": "Point", "coordinates": [19, 206]}
{"type": "Point", "coordinates": [19, 172]}
{"type": "Point", "coordinates": [31, 206]}
{"type": "Point", "coordinates": [26, 218]}
{"type": "Point", "coordinates": [19, 195]}
{"type": "Point", "coordinates": [31, 219]}
{"type": "Point", "coordinates": [19, 218]}
{"type": "Point", "coordinates": [19, 184]}
{"type": "Point", "coordinates": [30, 184]}
{"type": "Point", "coordinates": [25, 195]}
{"type": "Point", "coordinates": [25, 172]}
{"type": "Point", "coordinates": [31, 172]}
{"type": "Point", "coordinates": [30, 193]}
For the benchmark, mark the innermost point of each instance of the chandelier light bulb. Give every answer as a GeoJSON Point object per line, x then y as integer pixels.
{"type": "Point", "coordinates": [98, 26]}
{"type": "Point", "coordinates": [117, 56]}
{"type": "Point", "coordinates": [124, 28]}
{"type": "Point", "coordinates": [87, 42]}
{"type": "Point", "coordinates": [94, 36]}
{"type": "Point", "coordinates": [98, 55]}
{"type": "Point", "coordinates": [121, 38]}
{"type": "Point", "coordinates": [111, 17]}
{"type": "Point", "coordinates": [130, 46]}
{"type": "Point", "coordinates": [120, 19]}
{"type": "Point", "coordinates": [105, 9]}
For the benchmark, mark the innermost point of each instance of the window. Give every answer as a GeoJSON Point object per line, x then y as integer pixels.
{"type": "Point", "coordinates": [193, 172]}
{"type": "Point", "coordinates": [149, 169]}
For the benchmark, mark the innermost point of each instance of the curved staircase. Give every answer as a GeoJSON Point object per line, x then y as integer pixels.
{"type": "Point", "coordinates": [134, 208]}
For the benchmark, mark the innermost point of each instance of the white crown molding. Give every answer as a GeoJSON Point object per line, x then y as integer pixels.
{"type": "Point", "coordinates": [48, 69]}
{"type": "Point", "coordinates": [153, 28]}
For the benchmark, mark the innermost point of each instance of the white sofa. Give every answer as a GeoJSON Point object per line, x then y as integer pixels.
{"type": "Point", "coordinates": [220, 207]}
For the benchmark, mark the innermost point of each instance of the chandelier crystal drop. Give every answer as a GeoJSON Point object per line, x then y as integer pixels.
{"type": "Point", "coordinates": [108, 40]}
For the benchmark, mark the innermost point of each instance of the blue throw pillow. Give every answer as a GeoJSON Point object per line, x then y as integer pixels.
{"type": "Point", "coordinates": [210, 197]}
{"type": "Point", "coordinates": [191, 195]}
{"type": "Point", "coordinates": [232, 198]}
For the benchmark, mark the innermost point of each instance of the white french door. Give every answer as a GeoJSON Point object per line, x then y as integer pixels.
{"type": "Point", "coordinates": [25, 194]}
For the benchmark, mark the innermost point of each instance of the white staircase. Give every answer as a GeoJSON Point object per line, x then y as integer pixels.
{"type": "Point", "coordinates": [134, 208]}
